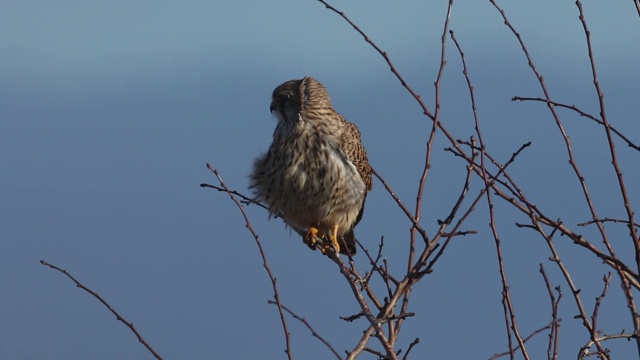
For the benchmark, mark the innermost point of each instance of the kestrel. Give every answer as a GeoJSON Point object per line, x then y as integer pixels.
{"type": "Point", "coordinates": [315, 174]}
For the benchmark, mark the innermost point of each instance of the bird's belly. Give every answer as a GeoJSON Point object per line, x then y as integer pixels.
{"type": "Point", "coordinates": [322, 193]}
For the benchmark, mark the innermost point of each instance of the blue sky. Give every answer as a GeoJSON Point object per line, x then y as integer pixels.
{"type": "Point", "coordinates": [110, 111]}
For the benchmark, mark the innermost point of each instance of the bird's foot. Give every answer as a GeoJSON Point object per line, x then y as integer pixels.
{"type": "Point", "coordinates": [311, 238]}
{"type": "Point", "coordinates": [332, 243]}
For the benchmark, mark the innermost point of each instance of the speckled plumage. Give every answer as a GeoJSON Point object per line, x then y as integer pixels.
{"type": "Point", "coordinates": [315, 173]}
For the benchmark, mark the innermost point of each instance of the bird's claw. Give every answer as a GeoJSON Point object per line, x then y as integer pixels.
{"type": "Point", "coordinates": [311, 238]}
{"type": "Point", "coordinates": [332, 242]}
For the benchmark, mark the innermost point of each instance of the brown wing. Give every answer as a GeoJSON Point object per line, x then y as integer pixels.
{"type": "Point", "coordinates": [355, 152]}
{"type": "Point", "coordinates": [353, 148]}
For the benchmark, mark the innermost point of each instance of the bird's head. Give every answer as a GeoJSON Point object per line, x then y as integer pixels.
{"type": "Point", "coordinates": [295, 96]}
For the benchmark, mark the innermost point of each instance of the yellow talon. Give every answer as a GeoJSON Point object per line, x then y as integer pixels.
{"type": "Point", "coordinates": [333, 238]}
{"type": "Point", "coordinates": [312, 237]}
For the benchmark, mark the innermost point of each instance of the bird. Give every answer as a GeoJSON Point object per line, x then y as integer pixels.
{"type": "Point", "coordinates": [315, 174]}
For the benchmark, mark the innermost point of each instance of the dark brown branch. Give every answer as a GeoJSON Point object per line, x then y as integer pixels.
{"type": "Point", "coordinates": [612, 149]}
{"type": "Point", "coordinates": [352, 318]}
{"type": "Point", "coordinates": [384, 55]}
{"type": "Point", "coordinates": [375, 352]}
{"type": "Point", "coordinates": [596, 308]}
{"type": "Point", "coordinates": [413, 343]}
{"type": "Point", "coordinates": [509, 310]}
{"type": "Point", "coordinates": [108, 306]}
{"type": "Point", "coordinates": [404, 209]}
{"type": "Point", "coordinates": [575, 291]}
{"type": "Point", "coordinates": [584, 351]}
{"type": "Point", "coordinates": [426, 167]}
{"type": "Point", "coordinates": [366, 311]}
{"type": "Point", "coordinates": [309, 327]}
{"type": "Point", "coordinates": [560, 126]}
{"type": "Point", "coordinates": [532, 210]}
{"type": "Point", "coordinates": [554, 333]}
{"type": "Point", "coordinates": [633, 232]}
{"type": "Point", "coordinates": [452, 215]}
{"type": "Point", "coordinates": [245, 199]}
{"type": "Point", "coordinates": [387, 59]}
{"type": "Point", "coordinates": [496, 356]}
{"type": "Point", "coordinates": [375, 268]}
{"type": "Point", "coordinates": [582, 113]}
{"type": "Point", "coordinates": [265, 263]}
{"type": "Point", "coordinates": [606, 219]}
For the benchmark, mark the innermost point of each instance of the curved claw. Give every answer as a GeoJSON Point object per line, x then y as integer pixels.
{"type": "Point", "coordinates": [311, 238]}
{"type": "Point", "coordinates": [333, 241]}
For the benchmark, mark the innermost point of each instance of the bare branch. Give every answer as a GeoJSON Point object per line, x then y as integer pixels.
{"type": "Point", "coordinates": [584, 351]}
{"type": "Point", "coordinates": [413, 343]}
{"type": "Point", "coordinates": [366, 311]}
{"type": "Point", "coordinates": [245, 199]}
{"type": "Point", "coordinates": [306, 323]}
{"type": "Point", "coordinates": [265, 263]}
{"type": "Point", "coordinates": [612, 149]}
{"type": "Point", "coordinates": [582, 113]}
{"type": "Point", "coordinates": [108, 306]}
{"type": "Point", "coordinates": [404, 209]}
{"type": "Point", "coordinates": [606, 219]}
{"type": "Point", "coordinates": [509, 310]}
{"type": "Point", "coordinates": [496, 356]}
{"type": "Point", "coordinates": [554, 334]}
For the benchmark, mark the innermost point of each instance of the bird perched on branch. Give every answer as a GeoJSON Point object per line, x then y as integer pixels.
{"type": "Point", "coordinates": [315, 174]}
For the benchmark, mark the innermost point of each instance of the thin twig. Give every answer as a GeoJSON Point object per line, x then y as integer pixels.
{"type": "Point", "coordinates": [108, 306]}
{"type": "Point", "coordinates": [265, 263]}
{"type": "Point", "coordinates": [612, 149]}
{"type": "Point", "coordinates": [496, 356]}
{"type": "Point", "coordinates": [427, 165]}
{"type": "Point", "coordinates": [413, 343]}
{"type": "Point", "coordinates": [552, 349]}
{"type": "Point", "coordinates": [314, 333]}
{"type": "Point", "coordinates": [582, 113]}
{"type": "Point", "coordinates": [584, 351]}
{"type": "Point", "coordinates": [509, 311]}
{"type": "Point", "coordinates": [633, 232]}
{"type": "Point", "coordinates": [596, 308]}
{"type": "Point", "coordinates": [384, 55]}
{"type": "Point", "coordinates": [404, 209]}
{"type": "Point", "coordinates": [245, 199]}
{"type": "Point", "coordinates": [606, 219]}
{"type": "Point", "coordinates": [366, 311]}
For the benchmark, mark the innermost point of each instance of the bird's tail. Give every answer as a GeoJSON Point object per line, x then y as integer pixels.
{"type": "Point", "coordinates": [348, 243]}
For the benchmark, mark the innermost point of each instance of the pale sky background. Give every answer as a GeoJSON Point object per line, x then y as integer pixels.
{"type": "Point", "coordinates": [109, 112]}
